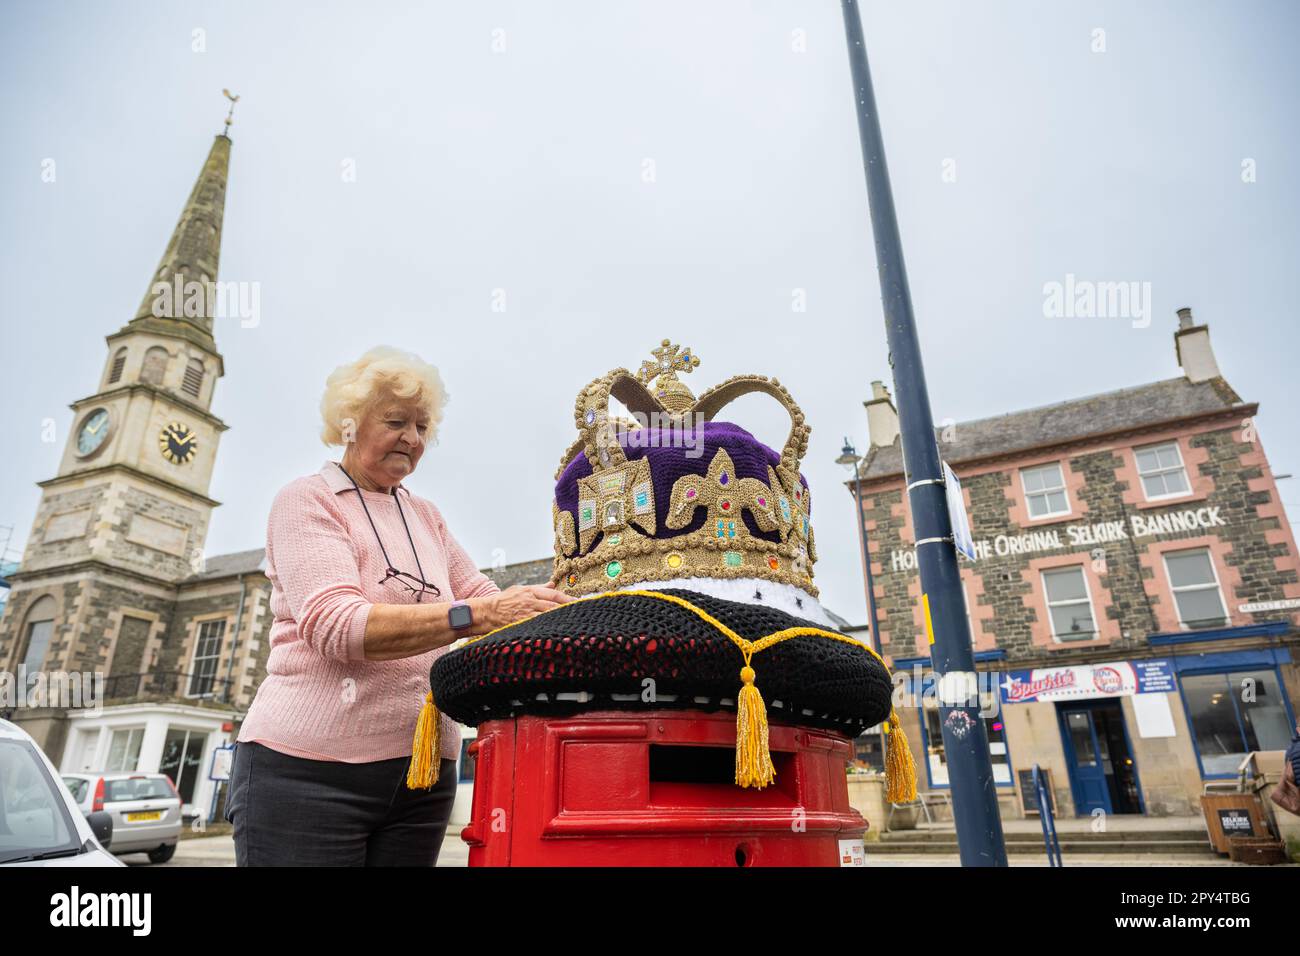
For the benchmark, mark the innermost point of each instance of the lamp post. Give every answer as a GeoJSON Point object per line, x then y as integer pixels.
{"type": "Point", "coordinates": [851, 460]}
{"type": "Point", "coordinates": [965, 737]}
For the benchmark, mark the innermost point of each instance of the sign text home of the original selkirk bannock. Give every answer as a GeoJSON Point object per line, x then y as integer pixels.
{"type": "Point", "coordinates": [1080, 535]}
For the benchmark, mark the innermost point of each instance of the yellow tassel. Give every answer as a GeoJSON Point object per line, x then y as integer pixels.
{"type": "Point", "coordinates": [753, 761]}
{"type": "Point", "coordinates": [900, 769]}
{"type": "Point", "coordinates": [426, 748]}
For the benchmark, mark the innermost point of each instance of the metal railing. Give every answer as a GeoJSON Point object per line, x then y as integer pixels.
{"type": "Point", "coordinates": [1047, 818]}
{"type": "Point", "coordinates": [168, 685]}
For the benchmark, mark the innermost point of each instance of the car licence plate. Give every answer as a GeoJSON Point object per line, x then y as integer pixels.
{"type": "Point", "coordinates": [140, 817]}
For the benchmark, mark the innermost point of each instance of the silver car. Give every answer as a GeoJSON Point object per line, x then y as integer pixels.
{"type": "Point", "coordinates": [40, 825]}
{"type": "Point", "coordinates": [145, 807]}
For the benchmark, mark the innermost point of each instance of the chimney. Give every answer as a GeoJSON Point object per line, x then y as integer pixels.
{"type": "Point", "coordinates": [882, 417]}
{"type": "Point", "coordinates": [1192, 345]}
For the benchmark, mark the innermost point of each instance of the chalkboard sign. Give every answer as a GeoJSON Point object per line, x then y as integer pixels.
{"type": "Point", "coordinates": [1236, 823]}
{"type": "Point", "coordinates": [1028, 795]}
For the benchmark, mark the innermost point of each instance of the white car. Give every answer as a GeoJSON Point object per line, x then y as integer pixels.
{"type": "Point", "coordinates": [40, 825]}
{"type": "Point", "coordinates": [145, 807]}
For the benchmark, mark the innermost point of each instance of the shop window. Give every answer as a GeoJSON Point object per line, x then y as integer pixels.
{"type": "Point", "coordinates": [869, 750]}
{"type": "Point", "coordinates": [1068, 604]}
{"type": "Point", "coordinates": [1196, 589]}
{"type": "Point", "coordinates": [1161, 469]}
{"type": "Point", "coordinates": [1045, 490]}
{"type": "Point", "coordinates": [1233, 714]}
{"type": "Point", "coordinates": [207, 651]}
{"type": "Point", "coordinates": [124, 749]}
{"type": "Point", "coordinates": [182, 758]}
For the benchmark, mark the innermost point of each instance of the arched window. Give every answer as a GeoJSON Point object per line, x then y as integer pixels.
{"type": "Point", "coordinates": [155, 365]}
{"type": "Point", "coordinates": [193, 381]}
{"type": "Point", "coordinates": [39, 631]}
{"type": "Point", "coordinates": [119, 363]}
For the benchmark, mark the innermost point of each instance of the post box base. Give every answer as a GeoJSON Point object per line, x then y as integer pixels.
{"type": "Point", "coordinates": [655, 788]}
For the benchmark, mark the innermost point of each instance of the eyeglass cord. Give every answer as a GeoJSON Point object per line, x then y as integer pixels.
{"type": "Point", "coordinates": [387, 560]}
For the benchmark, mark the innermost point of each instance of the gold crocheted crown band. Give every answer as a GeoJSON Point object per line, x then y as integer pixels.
{"type": "Point", "coordinates": [703, 498]}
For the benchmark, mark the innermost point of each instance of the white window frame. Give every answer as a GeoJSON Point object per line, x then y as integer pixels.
{"type": "Point", "coordinates": [1173, 591]}
{"type": "Point", "coordinates": [194, 658]}
{"type": "Point", "coordinates": [130, 732]}
{"type": "Point", "coordinates": [1182, 466]}
{"type": "Point", "coordinates": [1065, 492]}
{"type": "Point", "coordinates": [1047, 600]}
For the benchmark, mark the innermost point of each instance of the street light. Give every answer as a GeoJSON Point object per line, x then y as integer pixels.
{"type": "Point", "coordinates": [850, 459]}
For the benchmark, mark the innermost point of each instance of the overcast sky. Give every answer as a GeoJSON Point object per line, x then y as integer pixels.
{"type": "Point", "coordinates": [632, 171]}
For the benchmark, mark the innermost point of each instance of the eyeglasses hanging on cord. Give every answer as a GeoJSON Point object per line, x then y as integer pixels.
{"type": "Point", "coordinates": [425, 587]}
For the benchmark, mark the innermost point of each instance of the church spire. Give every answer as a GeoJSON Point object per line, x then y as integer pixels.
{"type": "Point", "coordinates": [189, 266]}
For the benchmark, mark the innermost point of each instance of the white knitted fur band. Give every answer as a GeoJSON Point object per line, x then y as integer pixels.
{"type": "Point", "coordinates": [783, 597]}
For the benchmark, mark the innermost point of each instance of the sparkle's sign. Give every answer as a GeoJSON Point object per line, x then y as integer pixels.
{"type": "Point", "coordinates": [1082, 681]}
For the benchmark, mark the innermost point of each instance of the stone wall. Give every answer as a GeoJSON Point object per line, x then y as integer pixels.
{"type": "Point", "coordinates": [1253, 560]}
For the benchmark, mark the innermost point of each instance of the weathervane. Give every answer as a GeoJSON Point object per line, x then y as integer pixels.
{"type": "Point", "coordinates": [230, 116]}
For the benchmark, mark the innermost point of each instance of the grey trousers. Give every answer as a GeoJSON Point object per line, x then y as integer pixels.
{"type": "Point", "coordinates": [288, 811]}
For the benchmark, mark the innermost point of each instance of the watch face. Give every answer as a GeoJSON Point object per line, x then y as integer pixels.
{"type": "Point", "coordinates": [460, 616]}
{"type": "Point", "coordinates": [177, 443]}
{"type": "Point", "coordinates": [93, 431]}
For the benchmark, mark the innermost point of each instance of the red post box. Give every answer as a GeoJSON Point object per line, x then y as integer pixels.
{"type": "Point", "coordinates": [655, 788]}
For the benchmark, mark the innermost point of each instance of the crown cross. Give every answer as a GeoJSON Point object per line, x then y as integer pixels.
{"type": "Point", "coordinates": [669, 360]}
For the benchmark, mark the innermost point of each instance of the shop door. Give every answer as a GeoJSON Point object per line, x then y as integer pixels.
{"type": "Point", "coordinates": [181, 759]}
{"type": "Point", "coordinates": [1103, 774]}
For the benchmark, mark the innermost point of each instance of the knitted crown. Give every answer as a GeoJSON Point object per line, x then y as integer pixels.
{"type": "Point", "coordinates": [673, 493]}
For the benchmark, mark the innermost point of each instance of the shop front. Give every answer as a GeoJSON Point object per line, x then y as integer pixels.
{"type": "Point", "coordinates": [174, 739]}
{"type": "Point", "coordinates": [1138, 737]}
{"type": "Point", "coordinates": [1143, 736]}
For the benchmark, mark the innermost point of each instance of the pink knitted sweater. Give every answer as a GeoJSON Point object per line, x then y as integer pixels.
{"type": "Point", "coordinates": [321, 699]}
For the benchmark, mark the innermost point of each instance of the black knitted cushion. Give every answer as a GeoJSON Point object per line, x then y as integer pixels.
{"type": "Point", "coordinates": [600, 650]}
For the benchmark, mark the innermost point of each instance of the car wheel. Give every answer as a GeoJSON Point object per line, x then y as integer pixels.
{"type": "Point", "coordinates": [162, 854]}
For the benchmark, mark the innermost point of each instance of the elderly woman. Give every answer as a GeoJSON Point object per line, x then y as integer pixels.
{"type": "Point", "coordinates": [369, 587]}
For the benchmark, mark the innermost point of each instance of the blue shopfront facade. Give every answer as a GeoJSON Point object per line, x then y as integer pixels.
{"type": "Point", "coordinates": [1134, 736]}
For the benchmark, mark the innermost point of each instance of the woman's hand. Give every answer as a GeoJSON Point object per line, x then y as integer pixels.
{"type": "Point", "coordinates": [515, 604]}
{"type": "Point", "coordinates": [395, 631]}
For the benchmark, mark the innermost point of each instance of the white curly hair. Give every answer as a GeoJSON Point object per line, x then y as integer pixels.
{"type": "Point", "coordinates": [354, 389]}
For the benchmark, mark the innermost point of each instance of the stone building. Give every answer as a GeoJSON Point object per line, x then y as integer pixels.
{"type": "Point", "coordinates": [1134, 597]}
{"type": "Point", "coordinates": [113, 583]}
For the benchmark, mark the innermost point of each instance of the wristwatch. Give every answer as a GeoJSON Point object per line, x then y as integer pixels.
{"type": "Point", "coordinates": [460, 615]}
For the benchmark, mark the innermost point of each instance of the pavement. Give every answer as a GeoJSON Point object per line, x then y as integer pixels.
{"type": "Point", "coordinates": [220, 851]}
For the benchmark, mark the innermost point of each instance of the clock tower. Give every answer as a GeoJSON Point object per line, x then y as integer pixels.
{"type": "Point", "coordinates": [125, 518]}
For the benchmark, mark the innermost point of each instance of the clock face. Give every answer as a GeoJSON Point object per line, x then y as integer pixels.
{"type": "Point", "coordinates": [177, 443]}
{"type": "Point", "coordinates": [94, 430]}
